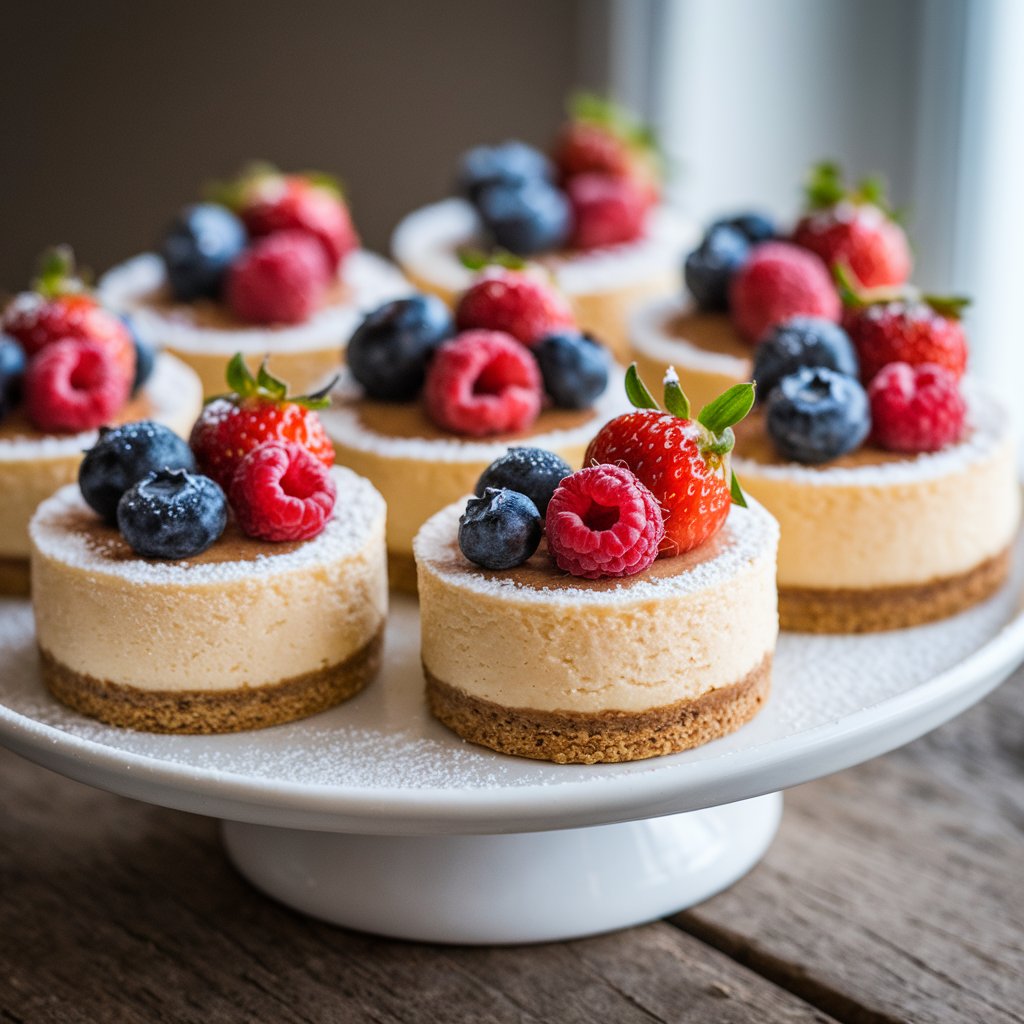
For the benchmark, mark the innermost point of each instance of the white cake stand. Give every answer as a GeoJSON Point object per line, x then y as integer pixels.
{"type": "Point", "coordinates": [374, 816]}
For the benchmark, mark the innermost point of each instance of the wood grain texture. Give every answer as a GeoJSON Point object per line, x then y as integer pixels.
{"type": "Point", "coordinates": [895, 891]}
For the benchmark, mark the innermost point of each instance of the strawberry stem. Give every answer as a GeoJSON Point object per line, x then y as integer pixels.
{"type": "Point", "coordinates": [57, 273]}
{"type": "Point", "coordinates": [476, 259]}
{"type": "Point", "coordinates": [269, 388]}
{"type": "Point", "coordinates": [675, 398]}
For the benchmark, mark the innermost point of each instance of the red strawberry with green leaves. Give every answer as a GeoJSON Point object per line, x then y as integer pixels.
{"type": "Point", "coordinates": [683, 461]}
{"type": "Point", "coordinates": [257, 409]}
{"type": "Point", "coordinates": [854, 228]}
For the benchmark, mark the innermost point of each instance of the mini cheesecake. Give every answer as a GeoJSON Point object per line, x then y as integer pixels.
{"type": "Point", "coordinates": [572, 670]}
{"type": "Point", "coordinates": [420, 468]}
{"type": "Point", "coordinates": [706, 350]}
{"type": "Point", "coordinates": [878, 540]}
{"type": "Point", "coordinates": [33, 464]}
{"type": "Point", "coordinates": [602, 285]}
{"type": "Point", "coordinates": [206, 334]}
{"type": "Point", "coordinates": [245, 635]}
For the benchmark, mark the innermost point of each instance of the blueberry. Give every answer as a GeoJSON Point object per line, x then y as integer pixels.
{"type": "Point", "coordinates": [817, 414]}
{"type": "Point", "coordinates": [526, 218]}
{"type": "Point", "coordinates": [500, 530]}
{"type": "Point", "coordinates": [12, 371]}
{"type": "Point", "coordinates": [711, 266]}
{"type": "Point", "coordinates": [802, 341]}
{"type": "Point", "coordinates": [122, 457]}
{"type": "Point", "coordinates": [145, 356]}
{"type": "Point", "coordinates": [172, 514]}
{"type": "Point", "coordinates": [535, 472]}
{"type": "Point", "coordinates": [199, 247]}
{"type": "Point", "coordinates": [574, 368]}
{"type": "Point", "coordinates": [755, 227]}
{"type": "Point", "coordinates": [390, 349]}
{"type": "Point", "coordinates": [510, 163]}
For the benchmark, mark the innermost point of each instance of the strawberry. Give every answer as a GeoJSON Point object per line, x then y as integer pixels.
{"type": "Point", "coordinates": [605, 210]}
{"type": "Point", "coordinates": [683, 461]}
{"type": "Point", "coordinates": [518, 303]}
{"type": "Point", "coordinates": [854, 228]}
{"type": "Point", "coordinates": [60, 306]}
{"type": "Point", "coordinates": [257, 410]}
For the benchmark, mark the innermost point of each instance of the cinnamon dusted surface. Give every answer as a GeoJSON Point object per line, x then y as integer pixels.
{"type": "Point", "coordinates": [17, 427]}
{"type": "Point", "coordinates": [568, 737]}
{"type": "Point", "coordinates": [712, 332]}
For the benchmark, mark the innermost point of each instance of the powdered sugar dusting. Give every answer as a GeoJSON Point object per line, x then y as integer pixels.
{"type": "Point", "coordinates": [358, 515]}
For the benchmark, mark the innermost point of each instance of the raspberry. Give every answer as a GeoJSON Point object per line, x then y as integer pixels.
{"type": "Point", "coordinates": [73, 385]}
{"type": "Point", "coordinates": [605, 210]}
{"type": "Point", "coordinates": [602, 521]}
{"type": "Point", "coordinates": [281, 492]}
{"type": "Point", "coordinates": [916, 408]}
{"type": "Point", "coordinates": [483, 382]}
{"type": "Point", "coordinates": [518, 304]}
{"type": "Point", "coordinates": [780, 281]}
{"type": "Point", "coordinates": [279, 279]}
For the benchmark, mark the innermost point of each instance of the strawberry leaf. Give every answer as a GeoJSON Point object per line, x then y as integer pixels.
{"type": "Point", "coordinates": [728, 408]}
{"type": "Point", "coordinates": [57, 273]}
{"type": "Point", "coordinates": [824, 186]}
{"type": "Point", "coordinates": [676, 401]}
{"type": "Point", "coordinates": [274, 387]}
{"type": "Point", "coordinates": [736, 491]}
{"type": "Point", "coordinates": [476, 259]}
{"type": "Point", "coordinates": [847, 287]}
{"type": "Point", "coordinates": [325, 181]}
{"type": "Point", "coordinates": [950, 306]}
{"type": "Point", "coordinates": [636, 390]}
{"type": "Point", "coordinates": [239, 377]}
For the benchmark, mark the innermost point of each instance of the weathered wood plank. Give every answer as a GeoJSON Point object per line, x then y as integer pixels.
{"type": "Point", "coordinates": [115, 911]}
{"type": "Point", "coordinates": [895, 891]}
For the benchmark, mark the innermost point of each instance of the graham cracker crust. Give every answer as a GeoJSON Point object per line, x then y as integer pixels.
{"type": "Point", "coordinates": [810, 610]}
{"type": "Point", "coordinates": [14, 577]}
{"type": "Point", "coordinates": [402, 572]}
{"type": "Point", "coordinates": [571, 737]}
{"type": "Point", "coordinates": [202, 712]}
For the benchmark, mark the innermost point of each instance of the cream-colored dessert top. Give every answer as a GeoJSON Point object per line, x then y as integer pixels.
{"type": "Point", "coordinates": [66, 530]}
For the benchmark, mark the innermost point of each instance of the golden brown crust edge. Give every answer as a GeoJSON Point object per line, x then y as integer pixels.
{"type": "Point", "coordinates": [872, 610]}
{"type": "Point", "coordinates": [568, 737]}
{"type": "Point", "coordinates": [203, 712]}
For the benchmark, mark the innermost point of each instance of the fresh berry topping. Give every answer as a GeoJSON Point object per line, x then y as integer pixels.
{"type": "Point", "coordinates": [854, 228]}
{"type": "Point", "coordinates": [780, 281]}
{"type": "Point", "coordinates": [916, 408]}
{"type": "Point", "coordinates": [605, 210]}
{"type": "Point", "coordinates": [534, 472]}
{"type": "Point", "coordinates": [510, 163]}
{"type": "Point", "coordinates": [754, 226]}
{"type": "Point", "coordinates": [710, 268]}
{"type": "Point", "coordinates": [525, 218]}
{"type": "Point", "coordinates": [172, 514]}
{"type": "Point", "coordinates": [802, 341]}
{"type": "Point", "coordinates": [817, 414]}
{"type": "Point", "coordinates": [122, 457]}
{"type": "Point", "coordinates": [602, 521]}
{"type": "Point", "coordinates": [390, 349]}
{"type": "Point", "coordinates": [516, 302]}
{"type": "Point", "coordinates": [12, 373]}
{"type": "Point", "coordinates": [312, 203]}
{"type": "Point", "coordinates": [683, 461]}
{"type": "Point", "coordinates": [257, 410]}
{"type": "Point", "coordinates": [483, 382]}
{"type": "Point", "coordinates": [145, 357]}
{"type": "Point", "coordinates": [500, 529]}
{"type": "Point", "coordinates": [574, 368]}
{"type": "Point", "coordinates": [279, 279]}
{"type": "Point", "coordinates": [281, 492]}
{"type": "Point", "coordinates": [73, 385]}
{"type": "Point", "coordinates": [199, 247]}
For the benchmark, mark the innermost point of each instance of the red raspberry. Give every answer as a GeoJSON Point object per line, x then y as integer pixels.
{"type": "Point", "coordinates": [483, 382]}
{"type": "Point", "coordinates": [605, 210]}
{"type": "Point", "coordinates": [602, 521]}
{"type": "Point", "coordinates": [916, 408]}
{"type": "Point", "coordinates": [778, 282]}
{"type": "Point", "coordinates": [280, 279]}
{"type": "Point", "coordinates": [282, 492]}
{"type": "Point", "coordinates": [519, 304]}
{"type": "Point", "coordinates": [73, 385]}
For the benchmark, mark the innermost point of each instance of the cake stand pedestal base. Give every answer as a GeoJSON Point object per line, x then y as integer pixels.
{"type": "Point", "coordinates": [495, 889]}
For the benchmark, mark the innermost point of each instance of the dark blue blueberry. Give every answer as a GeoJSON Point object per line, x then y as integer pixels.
{"type": "Point", "coordinates": [172, 514]}
{"type": "Point", "coordinates": [202, 242]}
{"type": "Point", "coordinates": [816, 414]}
{"type": "Point", "coordinates": [526, 218]}
{"type": "Point", "coordinates": [123, 456]}
{"type": "Point", "coordinates": [510, 163]}
{"type": "Point", "coordinates": [711, 266]}
{"type": "Point", "coordinates": [390, 349]}
{"type": "Point", "coordinates": [802, 341]}
{"type": "Point", "coordinates": [574, 368]}
{"type": "Point", "coordinates": [755, 227]}
{"type": "Point", "coordinates": [535, 472]}
{"type": "Point", "coordinates": [500, 529]}
{"type": "Point", "coordinates": [12, 371]}
{"type": "Point", "coordinates": [145, 356]}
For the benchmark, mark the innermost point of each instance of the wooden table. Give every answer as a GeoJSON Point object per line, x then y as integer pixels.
{"type": "Point", "coordinates": [894, 892]}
